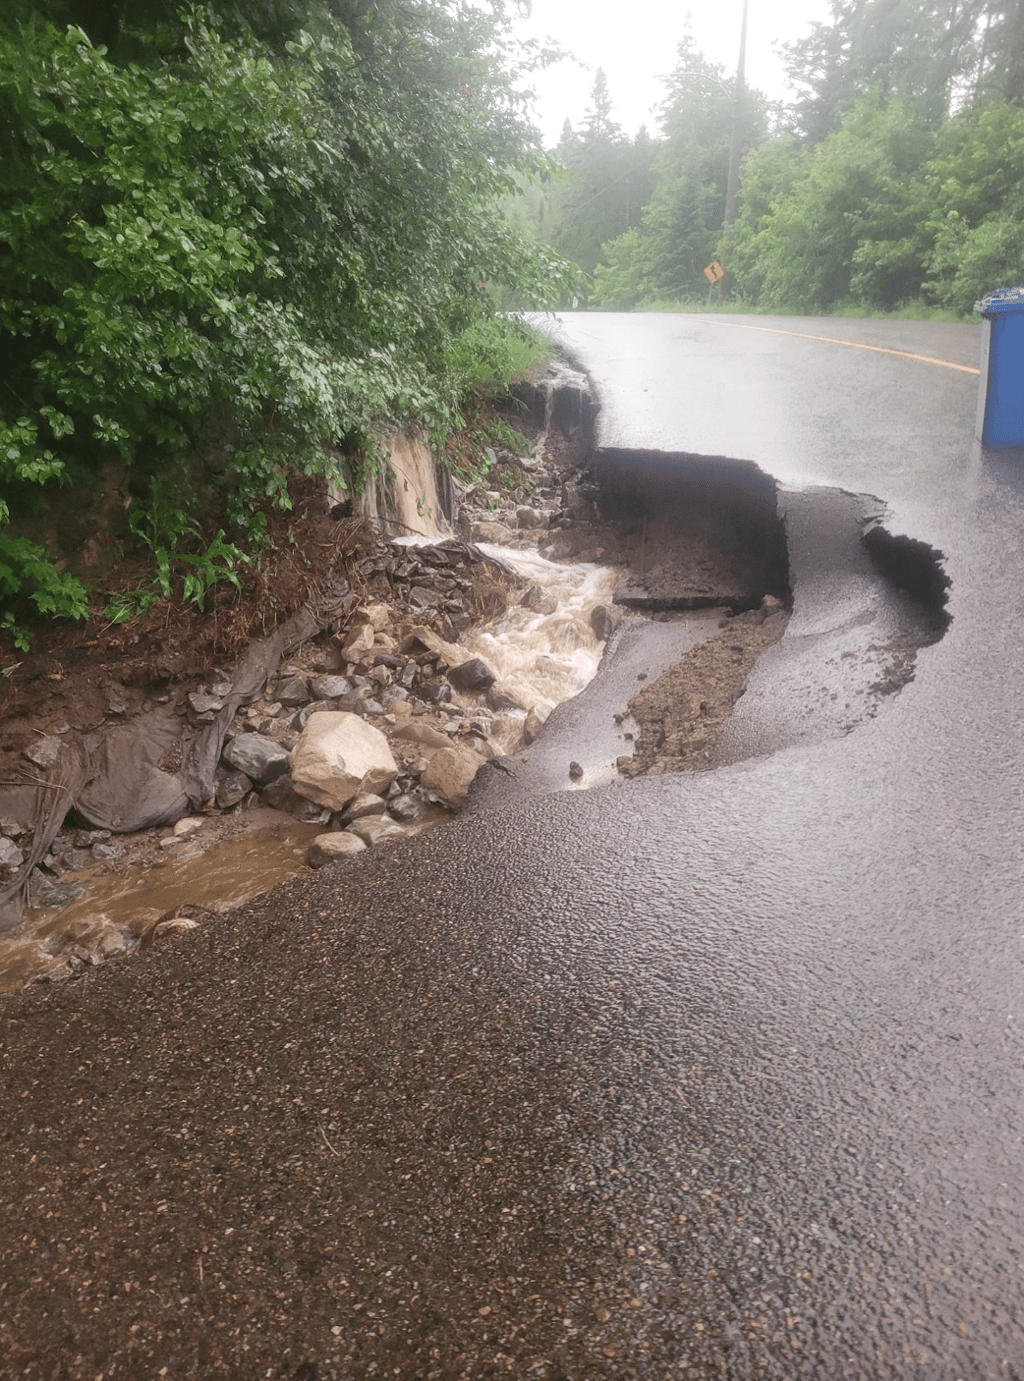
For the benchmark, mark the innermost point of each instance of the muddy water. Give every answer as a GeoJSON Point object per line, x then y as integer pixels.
{"type": "Point", "coordinates": [109, 912]}
{"type": "Point", "coordinates": [541, 659]}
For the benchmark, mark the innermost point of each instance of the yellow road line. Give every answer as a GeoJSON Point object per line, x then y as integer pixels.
{"type": "Point", "coordinates": [855, 344]}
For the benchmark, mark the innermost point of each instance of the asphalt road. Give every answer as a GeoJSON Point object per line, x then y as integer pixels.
{"type": "Point", "coordinates": [713, 1075]}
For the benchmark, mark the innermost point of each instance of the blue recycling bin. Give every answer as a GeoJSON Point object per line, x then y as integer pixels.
{"type": "Point", "coordinates": [1001, 395]}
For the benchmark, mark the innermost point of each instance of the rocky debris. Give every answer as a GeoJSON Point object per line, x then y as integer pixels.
{"type": "Point", "coordinates": [388, 662]}
{"type": "Point", "coordinates": [281, 795]}
{"type": "Point", "coordinates": [472, 675]}
{"type": "Point", "coordinates": [202, 703]}
{"type": "Point", "coordinates": [339, 755]}
{"type": "Point", "coordinates": [232, 787]}
{"type": "Point", "coordinates": [604, 621]}
{"type": "Point", "coordinates": [11, 856]}
{"type": "Point", "coordinates": [450, 773]}
{"type": "Point", "coordinates": [328, 848]}
{"type": "Point", "coordinates": [376, 829]}
{"type": "Point", "coordinates": [261, 758]}
{"type": "Point", "coordinates": [45, 752]}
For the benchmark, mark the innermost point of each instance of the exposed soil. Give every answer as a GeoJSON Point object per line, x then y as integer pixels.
{"type": "Point", "coordinates": [100, 676]}
{"type": "Point", "coordinates": [681, 715]}
{"type": "Point", "coordinates": [179, 1174]}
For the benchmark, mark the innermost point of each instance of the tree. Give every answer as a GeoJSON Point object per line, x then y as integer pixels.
{"type": "Point", "coordinates": [255, 238]}
{"type": "Point", "coordinates": [817, 227]}
{"type": "Point", "coordinates": [932, 55]}
{"type": "Point", "coordinates": [606, 181]}
{"type": "Point", "coordinates": [682, 225]}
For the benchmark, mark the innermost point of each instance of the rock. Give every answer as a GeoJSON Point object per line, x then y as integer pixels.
{"type": "Point", "coordinates": [425, 734]}
{"type": "Point", "coordinates": [474, 675]}
{"type": "Point", "coordinates": [85, 839]}
{"type": "Point", "coordinates": [107, 853]}
{"type": "Point", "coordinates": [604, 621]}
{"type": "Point", "coordinates": [421, 598]}
{"type": "Point", "coordinates": [258, 757]}
{"type": "Point", "coordinates": [201, 702]}
{"type": "Point", "coordinates": [768, 606]}
{"type": "Point", "coordinates": [281, 795]}
{"type": "Point", "coordinates": [231, 788]}
{"type": "Point", "coordinates": [75, 859]}
{"type": "Point", "coordinates": [292, 690]}
{"type": "Point", "coordinates": [188, 825]}
{"type": "Point", "coordinates": [500, 700]}
{"type": "Point", "coordinates": [377, 616]}
{"type": "Point", "coordinates": [575, 771]}
{"type": "Point", "coordinates": [450, 774]}
{"type": "Point", "coordinates": [406, 808]}
{"type": "Point", "coordinates": [435, 692]}
{"type": "Point", "coordinates": [55, 896]}
{"type": "Point", "coordinates": [529, 517]}
{"type": "Point", "coordinates": [358, 643]}
{"type": "Point", "coordinates": [10, 827]}
{"type": "Point", "coordinates": [112, 942]}
{"type": "Point", "coordinates": [533, 725]}
{"type": "Point", "coordinates": [339, 755]}
{"type": "Point", "coordinates": [495, 533]}
{"type": "Point", "coordinates": [363, 805]}
{"type": "Point", "coordinates": [45, 752]}
{"type": "Point", "coordinates": [328, 848]}
{"type": "Point", "coordinates": [533, 597]}
{"type": "Point", "coordinates": [329, 687]}
{"type": "Point", "coordinates": [10, 855]}
{"type": "Point", "coordinates": [377, 829]}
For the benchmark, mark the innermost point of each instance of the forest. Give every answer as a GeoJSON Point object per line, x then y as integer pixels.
{"type": "Point", "coordinates": [235, 237]}
{"type": "Point", "coordinates": [231, 240]}
{"type": "Point", "coordinates": [894, 180]}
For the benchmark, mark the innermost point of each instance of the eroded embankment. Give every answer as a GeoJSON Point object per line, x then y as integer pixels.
{"type": "Point", "coordinates": [855, 602]}
{"type": "Point", "coordinates": [687, 566]}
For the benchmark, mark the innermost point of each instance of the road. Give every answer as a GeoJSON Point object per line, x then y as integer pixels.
{"type": "Point", "coordinates": [706, 1076]}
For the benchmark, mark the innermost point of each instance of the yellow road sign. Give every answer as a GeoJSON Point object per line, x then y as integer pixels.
{"type": "Point", "coordinates": [714, 271]}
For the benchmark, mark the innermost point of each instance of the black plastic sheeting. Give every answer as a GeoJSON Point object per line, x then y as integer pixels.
{"type": "Point", "coordinates": [114, 779]}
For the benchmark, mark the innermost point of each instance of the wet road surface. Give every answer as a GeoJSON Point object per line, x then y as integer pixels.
{"type": "Point", "coordinates": [715, 1075]}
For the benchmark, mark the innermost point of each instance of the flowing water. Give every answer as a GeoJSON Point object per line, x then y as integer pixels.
{"type": "Point", "coordinates": [540, 659]}
{"type": "Point", "coordinates": [543, 658]}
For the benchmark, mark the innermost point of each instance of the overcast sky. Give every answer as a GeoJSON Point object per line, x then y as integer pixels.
{"type": "Point", "coordinates": [635, 43]}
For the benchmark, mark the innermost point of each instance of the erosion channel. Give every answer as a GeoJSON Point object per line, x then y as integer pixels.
{"type": "Point", "coordinates": [578, 616]}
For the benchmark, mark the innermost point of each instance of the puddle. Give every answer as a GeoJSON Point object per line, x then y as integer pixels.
{"type": "Point", "coordinates": [114, 909]}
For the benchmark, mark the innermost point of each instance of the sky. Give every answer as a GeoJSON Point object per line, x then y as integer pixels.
{"type": "Point", "coordinates": [635, 43]}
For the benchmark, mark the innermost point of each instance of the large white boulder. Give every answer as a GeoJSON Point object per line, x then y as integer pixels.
{"type": "Point", "coordinates": [338, 756]}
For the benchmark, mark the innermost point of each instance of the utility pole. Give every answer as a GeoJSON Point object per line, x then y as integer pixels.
{"type": "Point", "coordinates": [732, 186]}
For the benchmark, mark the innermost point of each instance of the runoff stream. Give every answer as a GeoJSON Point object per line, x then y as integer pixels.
{"type": "Point", "coordinates": [695, 565]}
{"type": "Point", "coordinates": [544, 652]}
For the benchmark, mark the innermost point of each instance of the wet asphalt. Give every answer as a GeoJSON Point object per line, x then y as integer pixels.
{"type": "Point", "coordinates": [712, 1076]}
